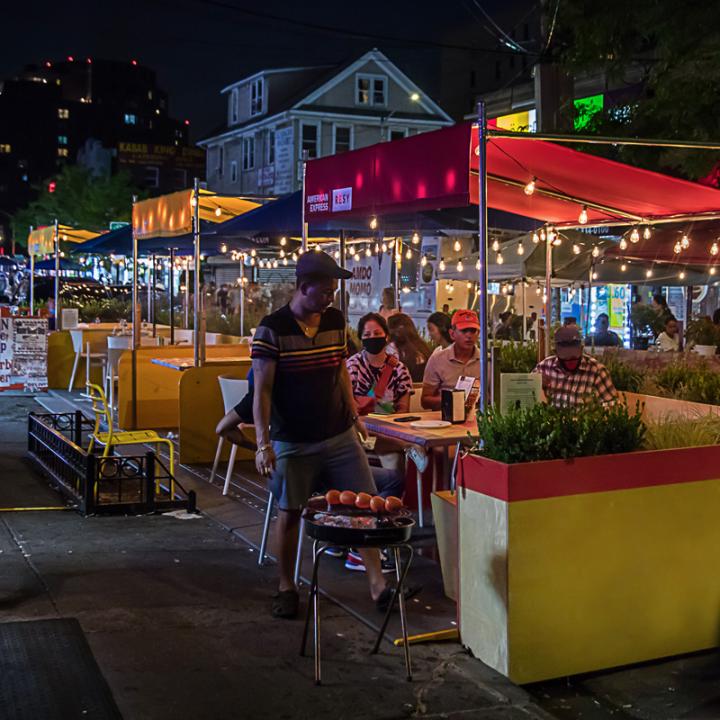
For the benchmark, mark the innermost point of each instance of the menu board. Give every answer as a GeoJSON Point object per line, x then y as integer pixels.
{"type": "Point", "coordinates": [23, 353]}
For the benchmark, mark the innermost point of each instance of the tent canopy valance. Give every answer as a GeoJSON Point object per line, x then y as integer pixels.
{"type": "Point", "coordinates": [171, 215]}
{"type": "Point", "coordinates": [42, 240]}
{"type": "Point", "coordinates": [439, 170]}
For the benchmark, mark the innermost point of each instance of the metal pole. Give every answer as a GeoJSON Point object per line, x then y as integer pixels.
{"type": "Point", "coordinates": [136, 320]}
{"type": "Point", "coordinates": [187, 294]}
{"type": "Point", "coordinates": [171, 276]}
{"type": "Point", "coordinates": [589, 303]}
{"type": "Point", "coordinates": [343, 296]}
{"type": "Point", "coordinates": [398, 260]}
{"type": "Point", "coordinates": [56, 244]}
{"type": "Point", "coordinates": [151, 296]}
{"type": "Point", "coordinates": [483, 253]}
{"type": "Point", "coordinates": [524, 302]}
{"type": "Point", "coordinates": [242, 295]}
{"type": "Point", "coordinates": [198, 334]}
{"type": "Point", "coordinates": [548, 292]}
{"type": "Point", "coordinates": [32, 277]}
{"type": "Point", "coordinates": [304, 224]}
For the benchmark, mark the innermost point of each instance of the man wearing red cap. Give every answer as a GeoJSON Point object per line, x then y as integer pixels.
{"type": "Point", "coordinates": [462, 358]}
{"type": "Point", "coordinates": [570, 377]}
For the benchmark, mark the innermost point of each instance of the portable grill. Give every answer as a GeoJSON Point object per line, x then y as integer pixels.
{"type": "Point", "coordinates": [349, 527]}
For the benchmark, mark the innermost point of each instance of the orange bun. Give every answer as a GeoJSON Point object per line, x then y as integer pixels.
{"type": "Point", "coordinates": [333, 497]}
{"type": "Point", "coordinates": [377, 504]}
{"type": "Point", "coordinates": [347, 497]}
{"type": "Point", "coordinates": [363, 500]}
{"type": "Point", "coordinates": [393, 504]}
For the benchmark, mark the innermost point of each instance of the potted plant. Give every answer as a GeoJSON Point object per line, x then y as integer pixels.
{"type": "Point", "coordinates": [645, 323]}
{"type": "Point", "coordinates": [703, 336]}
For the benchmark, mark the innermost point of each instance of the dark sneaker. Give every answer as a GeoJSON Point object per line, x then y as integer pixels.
{"type": "Point", "coordinates": [337, 552]}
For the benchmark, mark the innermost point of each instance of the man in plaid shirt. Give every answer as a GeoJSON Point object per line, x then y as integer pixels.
{"type": "Point", "coordinates": [570, 377]}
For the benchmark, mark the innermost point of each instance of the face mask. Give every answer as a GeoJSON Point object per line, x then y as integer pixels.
{"type": "Point", "coordinates": [374, 345]}
{"type": "Point", "coordinates": [570, 364]}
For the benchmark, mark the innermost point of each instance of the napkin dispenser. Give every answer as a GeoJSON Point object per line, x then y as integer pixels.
{"type": "Point", "coordinates": [452, 405]}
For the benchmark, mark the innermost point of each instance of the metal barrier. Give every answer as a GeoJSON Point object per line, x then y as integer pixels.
{"type": "Point", "coordinates": [131, 484]}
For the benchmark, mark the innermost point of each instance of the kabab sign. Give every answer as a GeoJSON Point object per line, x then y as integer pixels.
{"type": "Point", "coordinates": [320, 202]}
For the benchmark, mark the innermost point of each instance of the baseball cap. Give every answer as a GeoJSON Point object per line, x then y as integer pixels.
{"type": "Point", "coordinates": [567, 342]}
{"type": "Point", "coordinates": [320, 263]}
{"type": "Point", "coordinates": [463, 319]}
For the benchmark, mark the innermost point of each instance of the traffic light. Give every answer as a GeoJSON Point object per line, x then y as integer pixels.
{"type": "Point", "coordinates": [51, 186]}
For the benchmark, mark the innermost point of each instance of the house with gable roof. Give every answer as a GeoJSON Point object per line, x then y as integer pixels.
{"type": "Point", "coordinates": [277, 116]}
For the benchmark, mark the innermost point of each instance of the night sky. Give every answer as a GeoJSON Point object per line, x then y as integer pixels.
{"type": "Point", "coordinates": [199, 46]}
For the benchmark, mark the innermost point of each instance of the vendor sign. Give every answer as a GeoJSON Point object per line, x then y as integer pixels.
{"type": "Point", "coordinates": [23, 353]}
{"type": "Point", "coordinates": [370, 276]}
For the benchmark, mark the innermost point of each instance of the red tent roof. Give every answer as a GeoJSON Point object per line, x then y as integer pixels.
{"type": "Point", "coordinates": [439, 170]}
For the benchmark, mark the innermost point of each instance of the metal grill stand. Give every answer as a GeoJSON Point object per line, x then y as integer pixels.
{"type": "Point", "coordinates": [313, 608]}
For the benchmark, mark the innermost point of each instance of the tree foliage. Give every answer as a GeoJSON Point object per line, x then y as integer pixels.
{"type": "Point", "coordinates": [80, 200]}
{"type": "Point", "coordinates": [676, 45]}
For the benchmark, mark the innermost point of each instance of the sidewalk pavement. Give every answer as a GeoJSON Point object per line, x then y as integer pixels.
{"type": "Point", "coordinates": [176, 613]}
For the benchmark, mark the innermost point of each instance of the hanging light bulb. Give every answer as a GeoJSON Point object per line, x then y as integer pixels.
{"type": "Point", "coordinates": [408, 254]}
{"type": "Point", "coordinates": [647, 232]}
{"type": "Point", "coordinates": [253, 253]}
{"type": "Point", "coordinates": [282, 253]}
{"type": "Point", "coordinates": [415, 239]}
{"type": "Point", "coordinates": [356, 256]}
{"type": "Point", "coordinates": [623, 244]}
{"type": "Point", "coordinates": [441, 266]}
{"type": "Point", "coordinates": [459, 266]}
{"type": "Point", "coordinates": [373, 222]}
{"type": "Point", "coordinates": [261, 263]}
{"type": "Point", "coordinates": [557, 240]}
{"type": "Point", "coordinates": [712, 270]}
{"type": "Point", "coordinates": [542, 234]}
{"type": "Point", "coordinates": [294, 257]}
{"type": "Point", "coordinates": [576, 249]}
{"type": "Point", "coordinates": [594, 276]}
{"type": "Point", "coordinates": [218, 212]}
{"type": "Point", "coordinates": [275, 263]}
{"type": "Point", "coordinates": [529, 189]}
{"type": "Point", "coordinates": [583, 217]}
{"type": "Point", "coordinates": [469, 285]}
{"type": "Point", "coordinates": [595, 251]}
{"type": "Point", "coordinates": [648, 273]}
{"type": "Point", "coordinates": [337, 254]}
{"type": "Point", "coordinates": [499, 259]}
{"type": "Point", "coordinates": [398, 257]}
{"type": "Point", "coordinates": [384, 247]}
{"type": "Point", "coordinates": [406, 289]}
{"type": "Point", "coordinates": [377, 248]}
{"type": "Point", "coordinates": [538, 290]}
{"type": "Point", "coordinates": [520, 249]}
{"type": "Point", "coordinates": [457, 246]}
{"type": "Point", "coordinates": [391, 244]}
{"type": "Point", "coordinates": [368, 251]}
{"type": "Point", "coordinates": [300, 251]}
{"type": "Point", "coordinates": [681, 274]}
{"type": "Point", "coordinates": [685, 242]}
{"type": "Point", "coordinates": [495, 246]}
{"type": "Point", "coordinates": [285, 261]}
{"type": "Point", "coordinates": [423, 262]}
{"type": "Point", "coordinates": [223, 248]}
{"type": "Point", "coordinates": [317, 247]}
{"type": "Point", "coordinates": [635, 235]}
{"type": "Point", "coordinates": [623, 267]}
{"type": "Point", "coordinates": [544, 298]}
{"type": "Point", "coordinates": [535, 238]}
{"type": "Point", "coordinates": [283, 241]}
{"type": "Point", "coordinates": [478, 264]}
{"type": "Point", "coordinates": [714, 249]}
{"type": "Point", "coordinates": [677, 248]}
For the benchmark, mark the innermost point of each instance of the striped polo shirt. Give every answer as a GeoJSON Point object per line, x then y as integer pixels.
{"type": "Point", "coordinates": [308, 404]}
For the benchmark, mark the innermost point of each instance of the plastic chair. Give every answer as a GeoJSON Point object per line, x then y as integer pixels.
{"type": "Point", "coordinates": [233, 391]}
{"type": "Point", "coordinates": [117, 345]}
{"type": "Point", "coordinates": [111, 438]}
{"type": "Point", "coordinates": [94, 351]}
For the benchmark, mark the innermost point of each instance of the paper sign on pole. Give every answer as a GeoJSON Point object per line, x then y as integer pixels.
{"type": "Point", "coordinates": [69, 318]}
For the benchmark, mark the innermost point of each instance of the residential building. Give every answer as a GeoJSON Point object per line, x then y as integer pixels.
{"type": "Point", "coordinates": [277, 115]}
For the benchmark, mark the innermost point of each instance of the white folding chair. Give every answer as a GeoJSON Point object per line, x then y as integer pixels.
{"type": "Point", "coordinates": [92, 349]}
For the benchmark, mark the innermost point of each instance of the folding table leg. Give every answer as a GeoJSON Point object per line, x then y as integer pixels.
{"type": "Point", "coordinates": [421, 514]}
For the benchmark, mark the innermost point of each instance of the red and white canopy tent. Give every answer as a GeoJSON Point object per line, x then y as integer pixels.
{"type": "Point", "coordinates": [515, 172]}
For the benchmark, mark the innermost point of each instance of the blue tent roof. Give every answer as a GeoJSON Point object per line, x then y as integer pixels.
{"type": "Point", "coordinates": [66, 265]}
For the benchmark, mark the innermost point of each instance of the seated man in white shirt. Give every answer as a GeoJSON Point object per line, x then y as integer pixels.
{"type": "Point", "coordinates": [462, 358]}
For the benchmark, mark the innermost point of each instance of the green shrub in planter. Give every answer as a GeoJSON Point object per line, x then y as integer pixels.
{"type": "Point", "coordinates": [544, 432]}
{"type": "Point", "coordinates": [671, 432]}
{"type": "Point", "coordinates": [673, 377]}
{"type": "Point", "coordinates": [625, 377]}
{"type": "Point", "coordinates": [703, 332]}
{"type": "Point", "coordinates": [517, 357]}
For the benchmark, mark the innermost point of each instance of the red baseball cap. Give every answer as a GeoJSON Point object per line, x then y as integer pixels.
{"type": "Point", "coordinates": [463, 319]}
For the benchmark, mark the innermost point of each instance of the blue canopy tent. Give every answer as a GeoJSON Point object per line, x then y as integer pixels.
{"type": "Point", "coordinates": [65, 266]}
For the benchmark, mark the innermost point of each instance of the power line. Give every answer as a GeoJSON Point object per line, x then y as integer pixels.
{"type": "Point", "coordinates": [333, 30]}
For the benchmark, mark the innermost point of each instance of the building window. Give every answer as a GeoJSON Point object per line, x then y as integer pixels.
{"type": "Point", "coordinates": [62, 152]}
{"type": "Point", "coordinates": [62, 140]}
{"type": "Point", "coordinates": [270, 148]}
{"type": "Point", "coordinates": [342, 139]}
{"type": "Point", "coordinates": [248, 153]}
{"type": "Point", "coordinates": [152, 176]}
{"type": "Point", "coordinates": [180, 177]}
{"type": "Point", "coordinates": [233, 171]}
{"type": "Point", "coordinates": [256, 96]}
{"type": "Point", "coordinates": [234, 106]}
{"type": "Point", "coordinates": [397, 134]}
{"type": "Point", "coordinates": [220, 161]}
{"type": "Point", "coordinates": [63, 113]}
{"type": "Point", "coordinates": [370, 90]}
{"type": "Point", "coordinates": [310, 140]}
{"type": "Point", "coordinates": [130, 119]}
{"type": "Point", "coordinates": [5, 148]}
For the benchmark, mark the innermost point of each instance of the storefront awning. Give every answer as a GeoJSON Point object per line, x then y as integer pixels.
{"type": "Point", "coordinates": [171, 215]}
{"type": "Point", "coordinates": [439, 170]}
{"type": "Point", "coordinates": [42, 240]}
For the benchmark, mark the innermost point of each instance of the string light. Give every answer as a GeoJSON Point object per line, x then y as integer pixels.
{"type": "Point", "coordinates": [623, 267]}
{"type": "Point", "coordinates": [714, 249]}
{"type": "Point", "coordinates": [457, 246]}
{"type": "Point", "coordinates": [415, 239]}
{"type": "Point", "coordinates": [459, 266]}
{"type": "Point", "coordinates": [377, 248]}
{"type": "Point", "coordinates": [594, 276]}
{"type": "Point", "coordinates": [535, 238]}
{"type": "Point", "coordinates": [317, 247]}
{"type": "Point", "coordinates": [356, 256]}
{"type": "Point", "coordinates": [294, 257]}
{"type": "Point", "coordinates": [648, 273]}
{"type": "Point", "coordinates": [529, 189]}
{"type": "Point", "coordinates": [681, 274]}
{"type": "Point", "coordinates": [520, 249]}
{"type": "Point", "coordinates": [275, 263]}
{"type": "Point", "coordinates": [337, 254]}
{"type": "Point", "coordinates": [193, 201]}
{"type": "Point", "coordinates": [423, 262]}
{"type": "Point", "coordinates": [300, 251]}
{"type": "Point", "coordinates": [677, 248]}
{"type": "Point", "coordinates": [441, 266]}
{"type": "Point", "coordinates": [635, 235]}
{"type": "Point", "coordinates": [408, 254]}
{"type": "Point", "coordinates": [398, 257]}
{"type": "Point", "coordinates": [283, 241]}
{"type": "Point", "coordinates": [495, 246]}
{"type": "Point", "coordinates": [282, 253]}
{"type": "Point", "coordinates": [253, 253]}
{"type": "Point", "coordinates": [542, 234]}
{"type": "Point", "coordinates": [391, 244]}
{"type": "Point", "coordinates": [712, 270]}
{"type": "Point", "coordinates": [576, 249]}
{"type": "Point", "coordinates": [218, 212]}
{"type": "Point", "coordinates": [285, 261]}
{"type": "Point", "coordinates": [373, 222]}
{"type": "Point", "coordinates": [538, 290]}
{"type": "Point", "coordinates": [368, 251]}
{"type": "Point", "coordinates": [647, 232]}
{"type": "Point", "coordinates": [223, 248]}
{"type": "Point", "coordinates": [478, 264]}
{"type": "Point", "coordinates": [583, 217]}
{"type": "Point", "coordinates": [384, 247]}
{"type": "Point", "coordinates": [685, 242]}
{"type": "Point", "coordinates": [595, 251]}
{"type": "Point", "coordinates": [623, 244]}
{"type": "Point", "coordinates": [499, 259]}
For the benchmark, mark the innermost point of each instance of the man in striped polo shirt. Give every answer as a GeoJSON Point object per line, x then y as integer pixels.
{"type": "Point", "coordinates": [305, 416]}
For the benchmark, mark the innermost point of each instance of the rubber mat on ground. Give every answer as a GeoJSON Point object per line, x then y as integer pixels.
{"type": "Point", "coordinates": [48, 671]}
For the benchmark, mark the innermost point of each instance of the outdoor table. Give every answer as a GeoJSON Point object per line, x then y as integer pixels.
{"type": "Point", "coordinates": [187, 363]}
{"type": "Point", "coordinates": [429, 439]}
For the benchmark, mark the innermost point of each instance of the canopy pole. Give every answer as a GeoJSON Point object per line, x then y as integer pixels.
{"type": "Point", "coordinates": [32, 277]}
{"type": "Point", "coordinates": [136, 320]}
{"type": "Point", "coordinates": [171, 277]}
{"type": "Point", "coordinates": [56, 246]}
{"type": "Point", "coordinates": [151, 295]}
{"type": "Point", "coordinates": [187, 293]}
{"type": "Point", "coordinates": [548, 291]}
{"type": "Point", "coordinates": [589, 305]}
{"type": "Point", "coordinates": [483, 253]}
{"type": "Point", "coordinates": [343, 296]}
{"type": "Point", "coordinates": [398, 260]}
{"type": "Point", "coordinates": [198, 334]}
{"type": "Point", "coordinates": [524, 302]}
{"type": "Point", "coordinates": [242, 295]}
{"type": "Point", "coordinates": [304, 224]}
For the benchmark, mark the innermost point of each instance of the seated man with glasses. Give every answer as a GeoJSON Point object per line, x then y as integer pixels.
{"type": "Point", "coordinates": [461, 359]}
